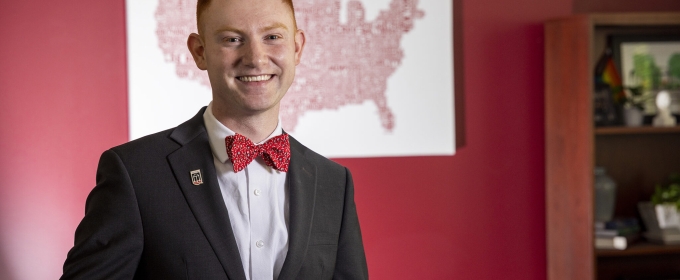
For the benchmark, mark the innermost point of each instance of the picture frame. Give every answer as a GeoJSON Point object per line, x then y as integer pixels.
{"type": "Point", "coordinates": [660, 47]}
{"type": "Point", "coordinates": [650, 61]}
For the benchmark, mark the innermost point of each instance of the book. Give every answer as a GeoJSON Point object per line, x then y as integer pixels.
{"type": "Point", "coordinates": [615, 243]}
{"type": "Point", "coordinates": [623, 226]}
{"type": "Point", "coordinates": [617, 233]}
{"type": "Point", "coordinates": [606, 232]}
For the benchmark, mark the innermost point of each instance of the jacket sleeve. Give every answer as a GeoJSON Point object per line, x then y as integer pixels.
{"type": "Point", "coordinates": [109, 240]}
{"type": "Point", "coordinates": [351, 259]}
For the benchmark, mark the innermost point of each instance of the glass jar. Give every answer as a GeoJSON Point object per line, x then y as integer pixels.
{"type": "Point", "coordinates": [605, 195]}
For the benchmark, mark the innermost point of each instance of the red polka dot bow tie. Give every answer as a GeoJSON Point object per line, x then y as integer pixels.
{"type": "Point", "coordinates": [242, 151]}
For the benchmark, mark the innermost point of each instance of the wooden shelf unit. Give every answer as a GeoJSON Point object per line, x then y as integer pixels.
{"type": "Point", "coordinates": [636, 158]}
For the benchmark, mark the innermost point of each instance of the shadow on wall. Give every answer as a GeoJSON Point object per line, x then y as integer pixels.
{"type": "Point", "coordinates": [4, 267]}
{"type": "Point", "coordinates": [459, 78]}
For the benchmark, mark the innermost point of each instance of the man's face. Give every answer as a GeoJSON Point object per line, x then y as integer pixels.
{"type": "Point", "coordinates": [250, 49]}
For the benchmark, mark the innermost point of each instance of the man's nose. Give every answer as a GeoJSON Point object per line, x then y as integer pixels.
{"type": "Point", "coordinates": [255, 54]}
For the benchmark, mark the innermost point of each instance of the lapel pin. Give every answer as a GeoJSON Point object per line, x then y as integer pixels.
{"type": "Point", "coordinates": [196, 177]}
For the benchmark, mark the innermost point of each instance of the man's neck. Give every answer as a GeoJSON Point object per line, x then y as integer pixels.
{"type": "Point", "coordinates": [255, 127]}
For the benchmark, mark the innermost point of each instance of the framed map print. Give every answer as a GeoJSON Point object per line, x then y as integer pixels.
{"type": "Point", "coordinates": [375, 79]}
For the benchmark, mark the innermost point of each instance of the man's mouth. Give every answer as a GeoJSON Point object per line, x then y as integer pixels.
{"type": "Point", "coordinates": [254, 78]}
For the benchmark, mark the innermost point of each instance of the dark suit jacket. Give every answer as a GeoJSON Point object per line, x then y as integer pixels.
{"type": "Point", "coordinates": [146, 220]}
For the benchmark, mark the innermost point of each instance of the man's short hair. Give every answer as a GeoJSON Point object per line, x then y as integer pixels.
{"type": "Point", "coordinates": [202, 5]}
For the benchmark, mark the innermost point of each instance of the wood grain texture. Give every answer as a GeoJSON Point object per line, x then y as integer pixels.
{"type": "Point", "coordinates": [569, 149]}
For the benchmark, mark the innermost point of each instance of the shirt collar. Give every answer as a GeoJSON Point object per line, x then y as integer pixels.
{"type": "Point", "coordinates": [217, 132]}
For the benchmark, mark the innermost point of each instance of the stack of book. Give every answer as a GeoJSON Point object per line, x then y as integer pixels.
{"type": "Point", "coordinates": [617, 233]}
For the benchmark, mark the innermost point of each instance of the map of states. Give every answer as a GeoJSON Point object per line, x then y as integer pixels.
{"type": "Point", "coordinates": [343, 63]}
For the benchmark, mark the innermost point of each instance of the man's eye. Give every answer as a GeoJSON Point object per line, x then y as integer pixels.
{"type": "Point", "coordinates": [273, 37]}
{"type": "Point", "coordinates": [232, 40]}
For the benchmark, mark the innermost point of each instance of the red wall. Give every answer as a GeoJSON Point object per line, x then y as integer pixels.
{"type": "Point", "coordinates": [62, 102]}
{"type": "Point", "coordinates": [480, 213]}
{"type": "Point", "coordinates": [598, 6]}
{"type": "Point", "coordinates": [476, 215]}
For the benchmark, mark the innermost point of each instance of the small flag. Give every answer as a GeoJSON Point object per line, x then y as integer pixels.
{"type": "Point", "coordinates": [611, 77]}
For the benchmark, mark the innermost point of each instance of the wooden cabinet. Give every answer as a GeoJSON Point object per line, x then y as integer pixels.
{"type": "Point", "coordinates": [636, 158]}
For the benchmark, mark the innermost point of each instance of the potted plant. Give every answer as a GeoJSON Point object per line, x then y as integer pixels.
{"type": "Point", "coordinates": [669, 194]}
{"type": "Point", "coordinates": [632, 100]}
{"type": "Point", "coordinates": [660, 215]}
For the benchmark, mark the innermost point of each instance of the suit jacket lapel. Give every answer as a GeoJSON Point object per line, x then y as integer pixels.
{"type": "Point", "coordinates": [205, 200]}
{"type": "Point", "coordinates": [302, 185]}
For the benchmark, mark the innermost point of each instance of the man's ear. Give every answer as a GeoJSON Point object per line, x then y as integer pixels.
{"type": "Point", "coordinates": [299, 44]}
{"type": "Point", "coordinates": [197, 49]}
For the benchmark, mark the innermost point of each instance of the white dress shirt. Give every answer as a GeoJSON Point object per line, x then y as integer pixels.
{"type": "Point", "coordinates": [257, 201]}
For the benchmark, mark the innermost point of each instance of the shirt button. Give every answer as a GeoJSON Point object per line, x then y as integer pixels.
{"type": "Point", "coordinates": [259, 244]}
{"type": "Point", "coordinates": [257, 192]}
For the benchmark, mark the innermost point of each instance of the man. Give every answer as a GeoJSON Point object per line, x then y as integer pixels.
{"type": "Point", "coordinates": [192, 203]}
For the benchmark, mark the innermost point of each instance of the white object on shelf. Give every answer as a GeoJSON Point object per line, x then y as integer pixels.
{"type": "Point", "coordinates": [661, 222]}
{"type": "Point", "coordinates": [667, 216]}
{"type": "Point", "coordinates": [663, 105]}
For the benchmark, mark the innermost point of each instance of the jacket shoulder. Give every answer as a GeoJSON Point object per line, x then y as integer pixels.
{"type": "Point", "coordinates": [316, 158]}
{"type": "Point", "coordinates": [157, 142]}
{"type": "Point", "coordinates": [167, 140]}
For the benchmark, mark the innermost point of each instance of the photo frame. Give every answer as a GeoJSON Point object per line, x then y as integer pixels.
{"type": "Point", "coordinates": [652, 62]}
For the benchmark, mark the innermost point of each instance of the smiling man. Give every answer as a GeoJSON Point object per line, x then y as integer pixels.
{"type": "Point", "coordinates": [227, 194]}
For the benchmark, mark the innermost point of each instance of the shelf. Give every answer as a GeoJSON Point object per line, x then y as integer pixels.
{"type": "Point", "coordinates": [620, 130]}
{"type": "Point", "coordinates": [637, 158]}
{"type": "Point", "coordinates": [641, 248]}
